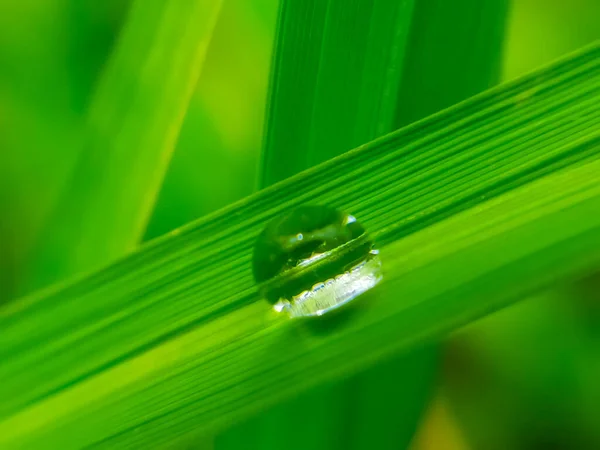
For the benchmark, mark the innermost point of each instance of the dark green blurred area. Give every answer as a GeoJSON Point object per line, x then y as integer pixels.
{"type": "Point", "coordinates": [526, 378]}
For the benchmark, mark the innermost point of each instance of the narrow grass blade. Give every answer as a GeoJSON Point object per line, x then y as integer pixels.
{"type": "Point", "coordinates": [217, 153]}
{"type": "Point", "coordinates": [174, 339]}
{"type": "Point", "coordinates": [132, 127]}
{"type": "Point", "coordinates": [334, 86]}
{"type": "Point", "coordinates": [454, 52]}
{"type": "Point", "coordinates": [336, 70]}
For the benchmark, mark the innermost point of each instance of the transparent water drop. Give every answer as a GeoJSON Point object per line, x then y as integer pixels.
{"type": "Point", "coordinates": [314, 260]}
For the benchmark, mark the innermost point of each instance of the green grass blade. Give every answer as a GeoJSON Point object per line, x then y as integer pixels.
{"type": "Point", "coordinates": [263, 358]}
{"type": "Point", "coordinates": [217, 153]}
{"type": "Point", "coordinates": [174, 339]}
{"type": "Point", "coordinates": [454, 52]}
{"type": "Point", "coordinates": [329, 94]}
{"type": "Point", "coordinates": [131, 130]}
{"type": "Point", "coordinates": [430, 311]}
{"type": "Point", "coordinates": [446, 40]}
{"type": "Point", "coordinates": [334, 85]}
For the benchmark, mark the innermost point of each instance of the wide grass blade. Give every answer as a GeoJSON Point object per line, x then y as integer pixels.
{"type": "Point", "coordinates": [249, 358]}
{"type": "Point", "coordinates": [175, 340]}
{"type": "Point", "coordinates": [131, 130]}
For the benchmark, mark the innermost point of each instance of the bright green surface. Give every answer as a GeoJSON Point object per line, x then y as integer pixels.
{"type": "Point", "coordinates": [181, 372]}
{"type": "Point", "coordinates": [544, 128]}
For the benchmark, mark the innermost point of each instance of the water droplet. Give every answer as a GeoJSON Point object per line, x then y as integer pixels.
{"type": "Point", "coordinates": [313, 260]}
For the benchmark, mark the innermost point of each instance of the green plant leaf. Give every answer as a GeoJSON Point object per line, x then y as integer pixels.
{"type": "Point", "coordinates": [131, 130]}
{"type": "Point", "coordinates": [217, 153]}
{"type": "Point", "coordinates": [337, 65]}
{"type": "Point", "coordinates": [493, 199]}
{"type": "Point", "coordinates": [454, 52]}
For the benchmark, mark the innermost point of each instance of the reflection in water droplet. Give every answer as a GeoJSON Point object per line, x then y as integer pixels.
{"type": "Point", "coordinates": [313, 260]}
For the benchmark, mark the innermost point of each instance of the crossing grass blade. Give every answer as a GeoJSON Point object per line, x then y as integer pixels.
{"type": "Point", "coordinates": [216, 157]}
{"type": "Point", "coordinates": [131, 129]}
{"type": "Point", "coordinates": [454, 52]}
{"type": "Point", "coordinates": [336, 70]}
{"type": "Point", "coordinates": [493, 199]}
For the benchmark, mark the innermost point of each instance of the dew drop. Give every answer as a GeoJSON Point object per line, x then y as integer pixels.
{"type": "Point", "coordinates": [314, 260]}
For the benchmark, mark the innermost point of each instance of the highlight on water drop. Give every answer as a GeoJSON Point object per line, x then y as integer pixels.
{"type": "Point", "coordinates": [314, 260]}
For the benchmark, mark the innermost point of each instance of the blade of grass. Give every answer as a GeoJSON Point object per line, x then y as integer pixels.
{"type": "Point", "coordinates": [454, 52]}
{"type": "Point", "coordinates": [217, 151]}
{"type": "Point", "coordinates": [334, 86]}
{"type": "Point", "coordinates": [515, 244]}
{"type": "Point", "coordinates": [131, 130]}
{"type": "Point", "coordinates": [522, 129]}
{"type": "Point", "coordinates": [446, 40]}
{"type": "Point", "coordinates": [201, 275]}
{"type": "Point", "coordinates": [336, 70]}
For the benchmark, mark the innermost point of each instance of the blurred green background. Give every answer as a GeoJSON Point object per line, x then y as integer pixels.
{"type": "Point", "coordinates": [525, 378]}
